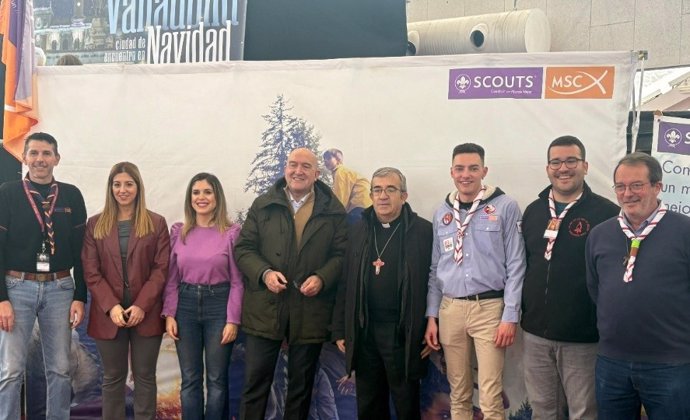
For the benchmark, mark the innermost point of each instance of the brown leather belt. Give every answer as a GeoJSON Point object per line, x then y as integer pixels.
{"type": "Point", "coordinates": [38, 276]}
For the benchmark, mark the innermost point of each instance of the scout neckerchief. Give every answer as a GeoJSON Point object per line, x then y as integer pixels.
{"type": "Point", "coordinates": [47, 205]}
{"type": "Point", "coordinates": [462, 226]}
{"type": "Point", "coordinates": [555, 223]}
{"type": "Point", "coordinates": [636, 240]}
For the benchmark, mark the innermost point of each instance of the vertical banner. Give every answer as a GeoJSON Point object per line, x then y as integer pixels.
{"type": "Point", "coordinates": [671, 147]}
{"type": "Point", "coordinates": [16, 27]}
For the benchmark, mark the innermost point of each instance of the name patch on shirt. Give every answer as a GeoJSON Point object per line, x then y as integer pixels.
{"type": "Point", "coordinates": [489, 217]}
{"type": "Point", "coordinates": [62, 210]}
{"type": "Point", "coordinates": [448, 244]}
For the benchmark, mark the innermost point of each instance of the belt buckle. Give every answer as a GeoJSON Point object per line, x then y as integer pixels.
{"type": "Point", "coordinates": [48, 276]}
{"type": "Point", "coordinates": [44, 277]}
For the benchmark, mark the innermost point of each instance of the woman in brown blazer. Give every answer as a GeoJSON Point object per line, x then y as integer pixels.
{"type": "Point", "coordinates": [125, 258]}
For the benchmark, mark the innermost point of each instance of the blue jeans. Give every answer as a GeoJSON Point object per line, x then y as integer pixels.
{"type": "Point", "coordinates": [201, 317]}
{"type": "Point", "coordinates": [622, 387]}
{"type": "Point", "coordinates": [49, 302]}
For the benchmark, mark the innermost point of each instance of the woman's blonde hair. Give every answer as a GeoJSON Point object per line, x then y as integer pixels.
{"type": "Point", "coordinates": [220, 213]}
{"type": "Point", "coordinates": [142, 222]}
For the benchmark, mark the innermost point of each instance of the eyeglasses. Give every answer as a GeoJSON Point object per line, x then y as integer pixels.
{"type": "Point", "coordinates": [635, 187]}
{"type": "Point", "coordinates": [570, 163]}
{"type": "Point", "coordinates": [389, 190]}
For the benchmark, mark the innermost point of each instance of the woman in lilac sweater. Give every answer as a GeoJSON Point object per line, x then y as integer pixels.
{"type": "Point", "coordinates": [203, 297]}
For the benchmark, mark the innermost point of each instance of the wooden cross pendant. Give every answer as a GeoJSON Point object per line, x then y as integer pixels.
{"type": "Point", "coordinates": [378, 264]}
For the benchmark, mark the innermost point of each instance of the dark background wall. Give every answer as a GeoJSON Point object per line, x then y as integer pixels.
{"type": "Point", "coordinates": [320, 29]}
{"type": "Point", "coordinates": [644, 136]}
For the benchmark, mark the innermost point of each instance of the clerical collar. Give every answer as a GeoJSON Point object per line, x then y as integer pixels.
{"type": "Point", "coordinates": [645, 222]}
{"type": "Point", "coordinates": [393, 223]}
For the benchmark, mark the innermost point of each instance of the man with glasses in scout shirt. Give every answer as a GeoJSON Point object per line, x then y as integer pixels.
{"type": "Point", "coordinates": [291, 252]}
{"type": "Point", "coordinates": [477, 269]}
{"type": "Point", "coordinates": [380, 311]}
{"type": "Point", "coordinates": [558, 316]}
{"type": "Point", "coordinates": [638, 274]}
{"type": "Point", "coordinates": [41, 231]}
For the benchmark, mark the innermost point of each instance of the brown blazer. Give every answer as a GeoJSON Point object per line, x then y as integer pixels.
{"type": "Point", "coordinates": [147, 269]}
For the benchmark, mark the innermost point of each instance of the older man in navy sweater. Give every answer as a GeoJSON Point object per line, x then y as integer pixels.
{"type": "Point", "coordinates": [638, 274]}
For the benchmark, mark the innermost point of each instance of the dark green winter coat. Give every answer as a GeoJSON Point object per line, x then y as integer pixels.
{"type": "Point", "coordinates": [267, 241]}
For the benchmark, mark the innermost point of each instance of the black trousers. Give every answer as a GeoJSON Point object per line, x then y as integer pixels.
{"type": "Point", "coordinates": [261, 357]}
{"type": "Point", "coordinates": [380, 376]}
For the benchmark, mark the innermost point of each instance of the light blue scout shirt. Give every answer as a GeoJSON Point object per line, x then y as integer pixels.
{"type": "Point", "coordinates": [494, 254]}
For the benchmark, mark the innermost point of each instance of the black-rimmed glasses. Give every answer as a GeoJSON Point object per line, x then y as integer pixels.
{"type": "Point", "coordinates": [570, 163]}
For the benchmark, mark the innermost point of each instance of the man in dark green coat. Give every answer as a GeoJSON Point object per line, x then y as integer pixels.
{"type": "Point", "coordinates": [291, 252]}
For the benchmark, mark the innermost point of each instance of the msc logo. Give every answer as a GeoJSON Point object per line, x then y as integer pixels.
{"type": "Point", "coordinates": [579, 82]}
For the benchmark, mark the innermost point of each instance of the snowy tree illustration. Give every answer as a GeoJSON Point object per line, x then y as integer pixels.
{"type": "Point", "coordinates": [523, 413]}
{"type": "Point", "coordinates": [284, 133]}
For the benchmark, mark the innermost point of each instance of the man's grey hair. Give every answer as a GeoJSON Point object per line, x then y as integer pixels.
{"type": "Point", "coordinates": [386, 170]}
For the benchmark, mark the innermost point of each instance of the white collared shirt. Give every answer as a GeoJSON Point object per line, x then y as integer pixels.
{"type": "Point", "coordinates": [297, 204]}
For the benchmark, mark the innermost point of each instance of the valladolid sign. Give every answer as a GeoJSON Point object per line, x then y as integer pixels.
{"type": "Point", "coordinates": [140, 31]}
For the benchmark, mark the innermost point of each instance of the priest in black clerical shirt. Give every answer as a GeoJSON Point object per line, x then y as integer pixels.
{"type": "Point", "coordinates": [379, 319]}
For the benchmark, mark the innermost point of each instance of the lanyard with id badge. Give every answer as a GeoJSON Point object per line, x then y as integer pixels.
{"type": "Point", "coordinates": [551, 232]}
{"type": "Point", "coordinates": [43, 259]}
{"type": "Point", "coordinates": [45, 221]}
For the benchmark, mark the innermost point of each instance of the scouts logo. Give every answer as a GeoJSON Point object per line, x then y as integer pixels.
{"type": "Point", "coordinates": [489, 209]}
{"type": "Point", "coordinates": [672, 137]}
{"type": "Point", "coordinates": [578, 227]}
{"type": "Point", "coordinates": [462, 83]}
{"type": "Point", "coordinates": [447, 218]}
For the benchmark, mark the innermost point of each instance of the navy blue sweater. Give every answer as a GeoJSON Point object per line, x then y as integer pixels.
{"type": "Point", "coordinates": [647, 319]}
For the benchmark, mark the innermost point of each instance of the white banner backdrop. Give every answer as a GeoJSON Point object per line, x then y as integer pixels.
{"type": "Point", "coordinates": [176, 120]}
{"type": "Point", "coordinates": [409, 112]}
{"type": "Point", "coordinates": [671, 146]}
